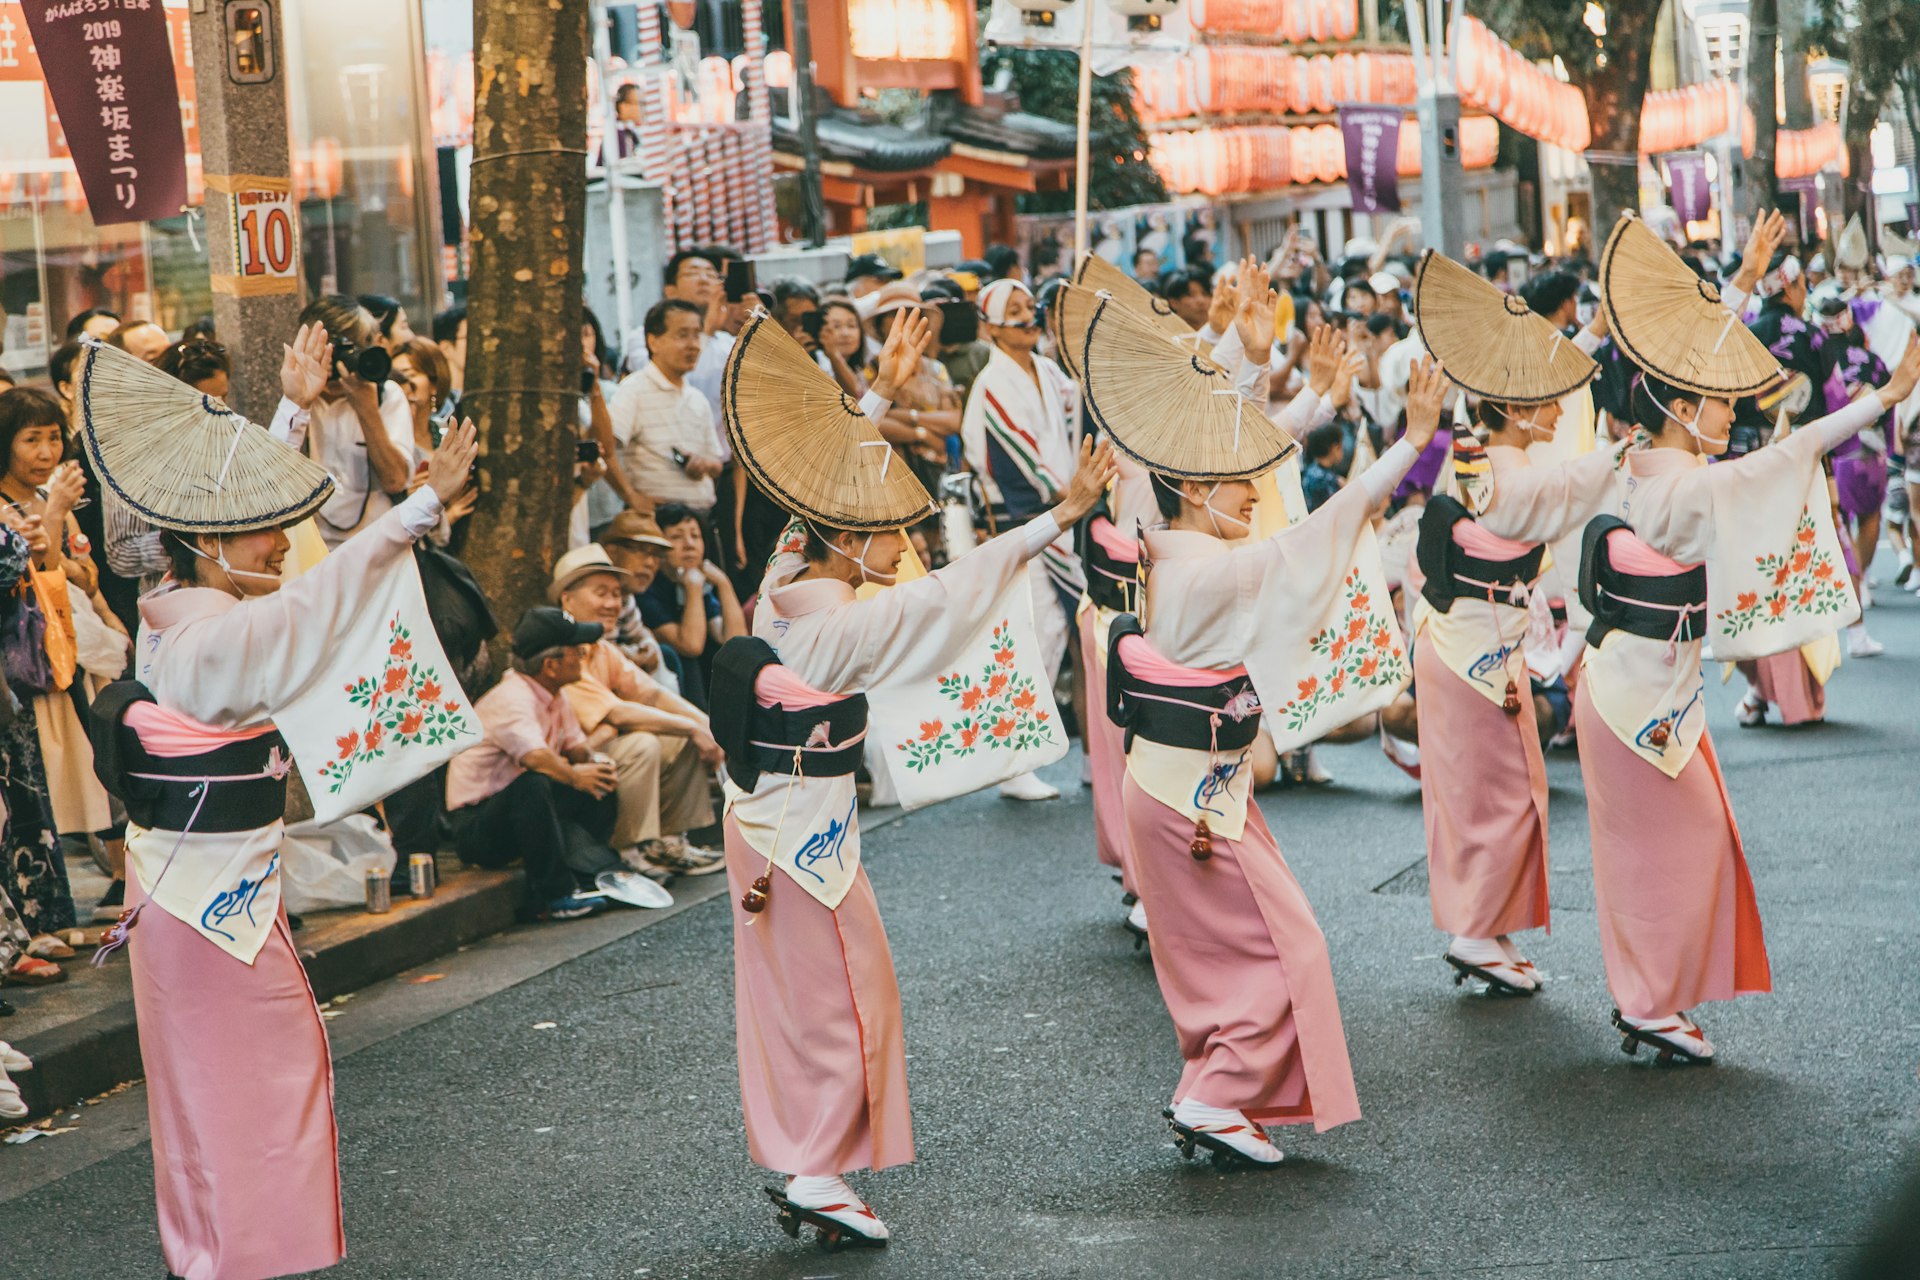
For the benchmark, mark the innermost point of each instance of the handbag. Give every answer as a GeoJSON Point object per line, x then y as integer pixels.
{"type": "Point", "coordinates": [63, 651]}
{"type": "Point", "coordinates": [23, 644]}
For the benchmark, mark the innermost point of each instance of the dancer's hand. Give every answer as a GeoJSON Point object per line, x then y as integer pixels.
{"type": "Point", "coordinates": [306, 365]}
{"type": "Point", "coordinates": [907, 341]}
{"type": "Point", "coordinates": [1769, 233]}
{"type": "Point", "coordinates": [1904, 379]}
{"type": "Point", "coordinates": [1088, 484]}
{"type": "Point", "coordinates": [1426, 399]}
{"type": "Point", "coordinates": [452, 462]}
{"type": "Point", "coordinates": [1258, 308]}
{"type": "Point", "coordinates": [1326, 353]}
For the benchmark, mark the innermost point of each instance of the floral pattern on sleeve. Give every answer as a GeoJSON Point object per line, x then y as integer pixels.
{"type": "Point", "coordinates": [997, 710]}
{"type": "Point", "coordinates": [1361, 651]}
{"type": "Point", "coordinates": [404, 706]}
{"type": "Point", "coordinates": [1803, 580]}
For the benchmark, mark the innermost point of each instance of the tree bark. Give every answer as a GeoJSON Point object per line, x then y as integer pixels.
{"type": "Point", "coordinates": [1760, 185]}
{"type": "Point", "coordinates": [1614, 94]}
{"type": "Point", "coordinates": [529, 198]}
{"type": "Point", "coordinates": [1856, 189]}
{"type": "Point", "coordinates": [1793, 63]}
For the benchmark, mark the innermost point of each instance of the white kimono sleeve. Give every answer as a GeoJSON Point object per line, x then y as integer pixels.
{"type": "Point", "coordinates": [1545, 503]}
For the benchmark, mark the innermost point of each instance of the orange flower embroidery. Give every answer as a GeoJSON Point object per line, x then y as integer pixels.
{"type": "Point", "coordinates": [1004, 657]}
{"type": "Point", "coordinates": [375, 732]}
{"type": "Point", "coordinates": [1003, 727]}
{"type": "Point", "coordinates": [1354, 627]}
{"type": "Point", "coordinates": [1801, 559]}
{"type": "Point", "coordinates": [396, 676]}
{"type": "Point", "coordinates": [1368, 667]}
{"type": "Point", "coordinates": [1339, 680]}
{"type": "Point", "coordinates": [347, 744]}
{"type": "Point", "coordinates": [997, 685]}
{"type": "Point", "coordinates": [1777, 605]}
{"type": "Point", "coordinates": [1359, 603]}
{"type": "Point", "coordinates": [929, 730]}
{"type": "Point", "coordinates": [401, 649]}
{"type": "Point", "coordinates": [1308, 686]}
{"type": "Point", "coordinates": [410, 723]}
{"type": "Point", "coordinates": [1748, 599]}
{"type": "Point", "coordinates": [971, 699]}
{"type": "Point", "coordinates": [969, 735]}
{"type": "Point", "coordinates": [1805, 536]}
{"type": "Point", "coordinates": [429, 691]}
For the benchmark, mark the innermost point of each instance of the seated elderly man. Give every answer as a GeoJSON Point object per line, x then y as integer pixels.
{"type": "Point", "coordinates": [633, 542]}
{"type": "Point", "coordinates": [660, 743]}
{"type": "Point", "coordinates": [533, 789]}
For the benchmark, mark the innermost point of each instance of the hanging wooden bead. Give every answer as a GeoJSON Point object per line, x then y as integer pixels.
{"type": "Point", "coordinates": [1202, 845]}
{"type": "Point", "coordinates": [1511, 703]}
{"type": "Point", "coordinates": [754, 900]}
{"type": "Point", "coordinates": [1658, 735]}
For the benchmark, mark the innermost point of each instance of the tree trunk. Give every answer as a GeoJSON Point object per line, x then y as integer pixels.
{"type": "Point", "coordinates": [1856, 189]}
{"type": "Point", "coordinates": [1760, 186]}
{"type": "Point", "coordinates": [1793, 63]}
{"type": "Point", "coordinates": [529, 198]}
{"type": "Point", "coordinates": [1614, 94]}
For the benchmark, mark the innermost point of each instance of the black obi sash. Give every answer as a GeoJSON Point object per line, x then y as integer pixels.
{"type": "Point", "coordinates": [1178, 715]}
{"type": "Point", "coordinates": [1662, 607]}
{"type": "Point", "coordinates": [1111, 583]}
{"type": "Point", "coordinates": [761, 739]}
{"type": "Point", "coordinates": [164, 793]}
{"type": "Point", "coordinates": [1453, 574]}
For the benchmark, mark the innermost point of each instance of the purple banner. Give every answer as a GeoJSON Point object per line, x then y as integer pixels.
{"type": "Point", "coordinates": [110, 71]}
{"type": "Point", "coordinates": [1687, 180]}
{"type": "Point", "coordinates": [1372, 138]}
{"type": "Point", "coordinates": [1808, 189]}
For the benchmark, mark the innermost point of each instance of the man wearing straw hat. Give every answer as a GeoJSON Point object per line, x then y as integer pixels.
{"type": "Point", "coordinates": [236, 670]}
{"type": "Point", "coordinates": [1294, 630]}
{"type": "Point", "coordinates": [1742, 555]}
{"type": "Point", "coordinates": [938, 672]}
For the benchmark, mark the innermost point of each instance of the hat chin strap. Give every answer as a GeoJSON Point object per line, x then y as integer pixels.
{"type": "Point", "coordinates": [1246, 526]}
{"type": "Point", "coordinates": [226, 568]}
{"type": "Point", "coordinates": [1691, 429]}
{"type": "Point", "coordinates": [866, 575]}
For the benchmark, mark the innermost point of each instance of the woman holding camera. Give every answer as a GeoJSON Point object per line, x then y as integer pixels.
{"type": "Point", "coordinates": [360, 428]}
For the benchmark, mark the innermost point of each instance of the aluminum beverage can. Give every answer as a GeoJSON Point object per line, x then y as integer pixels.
{"type": "Point", "coordinates": [379, 893]}
{"type": "Point", "coordinates": [422, 875]}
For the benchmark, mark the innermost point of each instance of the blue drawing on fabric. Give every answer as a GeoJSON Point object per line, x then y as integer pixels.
{"type": "Point", "coordinates": [1495, 661]}
{"type": "Point", "coordinates": [822, 845]}
{"type": "Point", "coordinates": [1670, 722]}
{"type": "Point", "coordinates": [236, 901]}
{"type": "Point", "coordinates": [1217, 784]}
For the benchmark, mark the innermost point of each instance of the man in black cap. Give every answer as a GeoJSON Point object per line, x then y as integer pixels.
{"type": "Point", "coordinates": [867, 272]}
{"type": "Point", "coordinates": [532, 789]}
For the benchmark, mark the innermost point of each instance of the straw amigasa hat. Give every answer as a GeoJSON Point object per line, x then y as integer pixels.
{"type": "Point", "coordinates": [805, 441]}
{"type": "Point", "coordinates": [1671, 323]}
{"type": "Point", "coordinates": [1491, 343]}
{"type": "Point", "coordinates": [183, 460]}
{"type": "Point", "coordinates": [1097, 276]}
{"type": "Point", "coordinates": [1169, 408]}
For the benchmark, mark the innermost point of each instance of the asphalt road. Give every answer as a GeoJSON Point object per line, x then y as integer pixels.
{"type": "Point", "coordinates": [1499, 1138]}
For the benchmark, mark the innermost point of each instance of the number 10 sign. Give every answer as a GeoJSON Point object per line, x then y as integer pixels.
{"type": "Point", "coordinates": [264, 226]}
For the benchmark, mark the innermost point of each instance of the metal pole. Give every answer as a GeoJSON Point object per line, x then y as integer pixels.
{"type": "Point", "coordinates": [813, 212]}
{"type": "Point", "coordinates": [1083, 124]}
{"type": "Point", "coordinates": [1442, 188]}
{"type": "Point", "coordinates": [611, 166]}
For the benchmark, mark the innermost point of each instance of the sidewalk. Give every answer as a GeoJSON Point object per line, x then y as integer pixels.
{"type": "Point", "coordinates": [81, 1033]}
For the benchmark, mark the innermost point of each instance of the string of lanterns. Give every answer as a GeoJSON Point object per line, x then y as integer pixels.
{"type": "Point", "coordinates": [1225, 79]}
{"type": "Point", "coordinates": [1241, 159]}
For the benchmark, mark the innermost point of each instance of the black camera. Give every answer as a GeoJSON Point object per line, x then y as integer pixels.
{"type": "Point", "coordinates": [587, 380]}
{"type": "Point", "coordinates": [959, 323]}
{"type": "Point", "coordinates": [369, 364]}
{"type": "Point", "coordinates": [812, 323]}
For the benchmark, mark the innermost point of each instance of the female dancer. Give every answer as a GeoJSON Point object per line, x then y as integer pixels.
{"type": "Point", "coordinates": [239, 1083]}
{"type": "Point", "coordinates": [1287, 624]}
{"type": "Point", "coordinates": [1678, 920]}
{"type": "Point", "coordinates": [1483, 778]}
{"type": "Point", "coordinates": [822, 1053]}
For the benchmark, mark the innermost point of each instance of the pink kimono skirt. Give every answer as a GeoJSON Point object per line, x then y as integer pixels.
{"type": "Point", "coordinates": [1785, 680]}
{"type": "Point", "coordinates": [1678, 919]}
{"type": "Point", "coordinates": [240, 1100]}
{"type": "Point", "coordinates": [1244, 970]}
{"type": "Point", "coordinates": [1106, 760]}
{"type": "Point", "coordinates": [1483, 791]}
{"type": "Point", "coordinates": [823, 1056]}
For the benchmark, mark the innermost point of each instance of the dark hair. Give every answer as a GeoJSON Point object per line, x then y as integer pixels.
{"type": "Point", "coordinates": [1491, 415]}
{"type": "Point", "coordinates": [1002, 260]}
{"type": "Point", "coordinates": [194, 362]}
{"type": "Point", "coordinates": [656, 321]}
{"type": "Point", "coordinates": [1138, 252]}
{"type": "Point", "coordinates": [671, 275]}
{"type": "Point", "coordinates": [446, 325]}
{"type": "Point", "coordinates": [201, 328]}
{"type": "Point", "coordinates": [1176, 284]}
{"type": "Point", "coordinates": [60, 368]}
{"type": "Point", "coordinates": [338, 314]}
{"type": "Point", "coordinates": [1546, 294]}
{"type": "Point", "coordinates": [23, 409]}
{"type": "Point", "coordinates": [1379, 322]}
{"type": "Point", "coordinates": [815, 549]}
{"type": "Point", "coordinates": [600, 349]}
{"type": "Point", "coordinates": [1322, 441]}
{"type": "Point", "coordinates": [721, 254]}
{"type": "Point", "coordinates": [669, 514]}
{"type": "Point", "coordinates": [181, 558]}
{"type": "Point", "coordinates": [384, 308]}
{"type": "Point", "coordinates": [787, 288]}
{"type": "Point", "coordinates": [79, 322]}
{"type": "Point", "coordinates": [846, 304]}
{"type": "Point", "coordinates": [627, 92]}
{"type": "Point", "coordinates": [1166, 495]}
{"type": "Point", "coordinates": [1650, 398]}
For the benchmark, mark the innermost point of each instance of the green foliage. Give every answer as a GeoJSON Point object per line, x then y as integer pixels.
{"type": "Point", "coordinates": [1879, 40]}
{"type": "Point", "coordinates": [1048, 83]}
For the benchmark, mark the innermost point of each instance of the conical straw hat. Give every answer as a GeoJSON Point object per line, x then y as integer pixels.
{"type": "Point", "coordinates": [1671, 323]}
{"type": "Point", "coordinates": [1171, 409]}
{"type": "Point", "coordinates": [183, 460]}
{"type": "Point", "coordinates": [805, 440]}
{"type": "Point", "coordinates": [1853, 251]}
{"type": "Point", "coordinates": [1491, 342]}
{"type": "Point", "coordinates": [1097, 275]}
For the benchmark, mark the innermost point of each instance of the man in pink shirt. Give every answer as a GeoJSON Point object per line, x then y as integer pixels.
{"type": "Point", "coordinates": [661, 745]}
{"type": "Point", "coordinates": [534, 789]}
